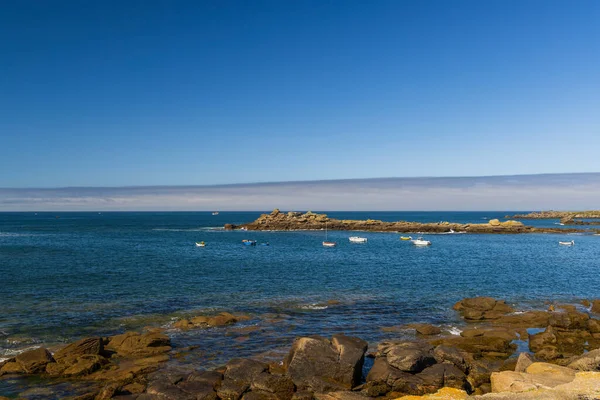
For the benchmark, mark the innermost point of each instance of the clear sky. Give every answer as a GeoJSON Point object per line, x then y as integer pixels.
{"type": "Point", "coordinates": [122, 93]}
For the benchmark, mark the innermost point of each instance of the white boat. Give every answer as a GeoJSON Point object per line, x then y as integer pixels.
{"type": "Point", "coordinates": [421, 242]}
{"type": "Point", "coordinates": [357, 239]}
{"type": "Point", "coordinates": [571, 243]}
{"type": "Point", "coordinates": [215, 213]}
{"type": "Point", "coordinates": [326, 243]}
{"type": "Point", "coordinates": [200, 244]}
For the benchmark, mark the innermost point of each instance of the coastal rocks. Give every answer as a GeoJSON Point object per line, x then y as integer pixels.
{"type": "Point", "coordinates": [140, 345]}
{"type": "Point", "coordinates": [444, 393]}
{"type": "Point", "coordinates": [322, 365]}
{"type": "Point", "coordinates": [595, 306]}
{"type": "Point", "coordinates": [524, 361]}
{"type": "Point", "coordinates": [408, 356]}
{"type": "Point", "coordinates": [203, 321]}
{"type": "Point", "coordinates": [87, 346]}
{"type": "Point", "coordinates": [34, 361]}
{"type": "Point", "coordinates": [482, 308]}
{"type": "Point", "coordinates": [589, 361]}
{"type": "Point", "coordinates": [425, 329]}
{"type": "Point", "coordinates": [537, 375]}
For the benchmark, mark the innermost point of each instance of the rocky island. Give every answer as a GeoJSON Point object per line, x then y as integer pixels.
{"type": "Point", "coordinates": [292, 220]}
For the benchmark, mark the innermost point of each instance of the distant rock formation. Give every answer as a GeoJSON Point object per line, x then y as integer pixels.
{"type": "Point", "coordinates": [293, 220]}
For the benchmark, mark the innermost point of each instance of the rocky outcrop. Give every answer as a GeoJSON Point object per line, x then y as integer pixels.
{"type": "Point", "coordinates": [136, 344]}
{"type": "Point", "coordinates": [322, 365]}
{"type": "Point", "coordinates": [209, 321]}
{"type": "Point", "coordinates": [591, 214]}
{"type": "Point", "coordinates": [290, 221]}
{"type": "Point", "coordinates": [482, 308]}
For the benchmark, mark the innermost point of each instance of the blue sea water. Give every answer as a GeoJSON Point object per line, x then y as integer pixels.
{"type": "Point", "coordinates": [68, 275]}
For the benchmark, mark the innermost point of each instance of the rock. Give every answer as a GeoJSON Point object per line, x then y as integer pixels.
{"type": "Point", "coordinates": [231, 390]}
{"type": "Point", "coordinates": [87, 346]}
{"type": "Point", "coordinates": [427, 329]}
{"type": "Point", "coordinates": [530, 319]}
{"type": "Point", "coordinates": [524, 361]}
{"type": "Point", "coordinates": [134, 344]}
{"type": "Point", "coordinates": [480, 346]}
{"type": "Point", "coordinates": [595, 306]}
{"type": "Point", "coordinates": [480, 308]}
{"type": "Point", "coordinates": [451, 354]}
{"type": "Point", "coordinates": [410, 357]}
{"type": "Point", "coordinates": [280, 386]}
{"type": "Point", "coordinates": [510, 381]}
{"type": "Point", "coordinates": [539, 340]}
{"type": "Point", "coordinates": [210, 378]}
{"type": "Point", "coordinates": [569, 320]}
{"type": "Point", "coordinates": [589, 361]}
{"type": "Point", "coordinates": [548, 353]}
{"type": "Point", "coordinates": [319, 364]}
{"type": "Point", "coordinates": [166, 391]}
{"type": "Point", "coordinates": [383, 373]}
{"type": "Point", "coordinates": [541, 368]}
{"type": "Point", "coordinates": [244, 370]}
{"type": "Point", "coordinates": [11, 367]}
{"type": "Point", "coordinates": [593, 325]}
{"type": "Point", "coordinates": [340, 395]}
{"type": "Point", "coordinates": [494, 222]}
{"type": "Point", "coordinates": [303, 395]}
{"type": "Point", "coordinates": [34, 361]}
{"type": "Point", "coordinates": [440, 375]}
{"type": "Point", "coordinates": [258, 395]}
{"type": "Point", "coordinates": [442, 394]}
{"type": "Point", "coordinates": [85, 364]}
{"type": "Point", "coordinates": [201, 390]}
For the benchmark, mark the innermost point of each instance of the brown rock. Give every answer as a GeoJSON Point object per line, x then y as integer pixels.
{"type": "Point", "coordinates": [134, 344]}
{"type": "Point", "coordinates": [322, 365]}
{"type": "Point", "coordinates": [427, 329]}
{"type": "Point", "coordinates": [569, 320]}
{"type": "Point", "coordinates": [410, 357]}
{"type": "Point", "coordinates": [539, 340]}
{"type": "Point", "coordinates": [596, 306]}
{"type": "Point", "coordinates": [34, 361]}
{"type": "Point", "coordinates": [548, 353]}
{"type": "Point", "coordinates": [453, 355]}
{"type": "Point", "coordinates": [279, 385]}
{"type": "Point", "coordinates": [593, 325]}
{"type": "Point", "coordinates": [11, 367]}
{"type": "Point", "coordinates": [231, 390]}
{"type": "Point", "coordinates": [524, 361]}
{"type": "Point", "coordinates": [244, 370]}
{"type": "Point", "coordinates": [85, 364]}
{"type": "Point", "coordinates": [87, 346]}
{"type": "Point", "coordinates": [589, 361]}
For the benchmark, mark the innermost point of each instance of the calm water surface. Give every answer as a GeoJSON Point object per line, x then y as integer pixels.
{"type": "Point", "coordinates": [99, 274]}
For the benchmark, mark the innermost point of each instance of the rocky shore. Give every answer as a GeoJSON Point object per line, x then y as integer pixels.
{"type": "Point", "coordinates": [289, 221]}
{"type": "Point", "coordinates": [591, 214]}
{"type": "Point", "coordinates": [562, 362]}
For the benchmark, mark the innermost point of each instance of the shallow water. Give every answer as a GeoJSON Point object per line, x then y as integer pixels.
{"type": "Point", "coordinates": [99, 274]}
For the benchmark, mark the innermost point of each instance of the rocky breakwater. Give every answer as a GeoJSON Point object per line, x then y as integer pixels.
{"type": "Point", "coordinates": [290, 221]}
{"type": "Point", "coordinates": [116, 364]}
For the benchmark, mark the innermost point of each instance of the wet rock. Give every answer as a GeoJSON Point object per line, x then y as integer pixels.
{"type": "Point", "coordinates": [87, 346]}
{"type": "Point", "coordinates": [244, 370]}
{"type": "Point", "coordinates": [589, 361]}
{"type": "Point", "coordinates": [34, 361]}
{"type": "Point", "coordinates": [85, 364]}
{"type": "Point", "coordinates": [410, 356]}
{"type": "Point", "coordinates": [596, 306]}
{"type": "Point", "coordinates": [427, 329]}
{"type": "Point", "coordinates": [11, 367]}
{"type": "Point", "coordinates": [539, 340]}
{"type": "Point", "coordinates": [210, 378]}
{"type": "Point", "coordinates": [166, 391]}
{"type": "Point", "coordinates": [453, 355]}
{"type": "Point", "coordinates": [569, 320]}
{"type": "Point", "coordinates": [530, 319]}
{"type": "Point", "coordinates": [231, 390]}
{"type": "Point", "coordinates": [281, 386]}
{"type": "Point", "coordinates": [524, 361]}
{"type": "Point", "coordinates": [321, 365]}
{"type": "Point", "coordinates": [480, 308]}
{"type": "Point", "coordinates": [201, 390]}
{"type": "Point", "coordinates": [135, 344]}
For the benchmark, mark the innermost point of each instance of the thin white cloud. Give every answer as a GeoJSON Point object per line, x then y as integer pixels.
{"type": "Point", "coordinates": [525, 192]}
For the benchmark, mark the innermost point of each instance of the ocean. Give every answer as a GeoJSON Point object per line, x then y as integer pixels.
{"type": "Point", "coordinates": [64, 276]}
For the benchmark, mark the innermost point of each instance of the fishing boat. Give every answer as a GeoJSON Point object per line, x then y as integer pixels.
{"type": "Point", "coordinates": [249, 242]}
{"type": "Point", "coordinates": [405, 237]}
{"type": "Point", "coordinates": [327, 243]}
{"type": "Point", "coordinates": [421, 242]}
{"type": "Point", "coordinates": [200, 244]}
{"type": "Point", "coordinates": [571, 243]}
{"type": "Point", "coordinates": [357, 239]}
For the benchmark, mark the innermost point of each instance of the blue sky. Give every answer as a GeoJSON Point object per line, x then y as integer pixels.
{"type": "Point", "coordinates": [113, 93]}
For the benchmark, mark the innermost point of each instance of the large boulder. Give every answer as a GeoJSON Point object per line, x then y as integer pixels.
{"type": "Point", "coordinates": [34, 361]}
{"type": "Point", "coordinates": [482, 308]}
{"type": "Point", "coordinates": [569, 320]}
{"type": "Point", "coordinates": [539, 340]}
{"type": "Point", "coordinates": [453, 355]}
{"type": "Point", "coordinates": [410, 356]}
{"type": "Point", "coordinates": [86, 346]}
{"type": "Point", "coordinates": [589, 361]}
{"type": "Point", "coordinates": [244, 370]}
{"type": "Point", "coordinates": [322, 365]}
{"type": "Point", "coordinates": [135, 344]}
{"type": "Point", "coordinates": [511, 381]}
{"type": "Point", "coordinates": [524, 361]}
{"type": "Point", "coordinates": [280, 386]}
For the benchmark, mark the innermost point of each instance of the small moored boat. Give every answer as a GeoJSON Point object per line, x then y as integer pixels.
{"type": "Point", "coordinates": [357, 239]}
{"type": "Point", "coordinates": [405, 237]}
{"type": "Point", "coordinates": [571, 243]}
{"type": "Point", "coordinates": [249, 242]}
{"type": "Point", "coordinates": [329, 244]}
{"type": "Point", "coordinates": [215, 213]}
{"type": "Point", "coordinates": [421, 242]}
{"type": "Point", "coordinates": [200, 244]}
